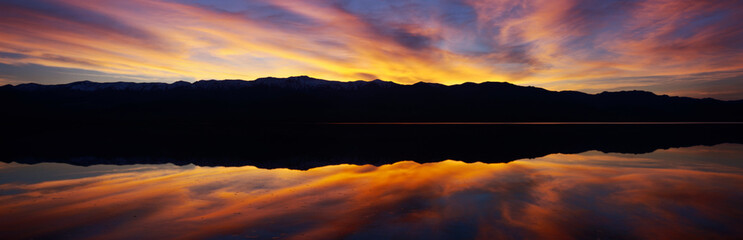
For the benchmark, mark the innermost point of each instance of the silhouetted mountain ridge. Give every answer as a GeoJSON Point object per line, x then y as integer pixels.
{"type": "Point", "coordinates": [306, 99]}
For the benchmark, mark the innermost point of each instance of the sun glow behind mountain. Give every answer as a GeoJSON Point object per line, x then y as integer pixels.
{"type": "Point", "coordinates": [690, 48]}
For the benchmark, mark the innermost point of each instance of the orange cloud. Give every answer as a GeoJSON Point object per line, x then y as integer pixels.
{"type": "Point", "coordinates": [566, 44]}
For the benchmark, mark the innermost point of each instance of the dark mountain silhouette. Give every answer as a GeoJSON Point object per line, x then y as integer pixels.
{"type": "Point", "coordinates": [278, 122]}
{"type": "Point", "coordinates": [306, 100]}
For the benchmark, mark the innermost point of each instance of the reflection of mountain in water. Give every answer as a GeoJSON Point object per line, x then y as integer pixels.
{"type": "Point", "coordinates": [224, 122]}
{"type": "Point", "coordinates": [308, 145]}
{"type": "Point", "coordinates": [682, 193]}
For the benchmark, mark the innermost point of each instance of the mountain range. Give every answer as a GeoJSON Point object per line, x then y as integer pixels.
{"type": "Point", "coordinates": [304, 99]}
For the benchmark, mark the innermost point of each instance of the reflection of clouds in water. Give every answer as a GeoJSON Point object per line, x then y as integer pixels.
{"type": "Point", "coordinates": [556, 197]}
{"type": "Point", "coordinates": [23, 173]}
{"type": "Point", "coordinates": [718, 158]}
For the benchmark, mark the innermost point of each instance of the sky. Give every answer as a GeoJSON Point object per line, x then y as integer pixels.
{"type": "Point", "coordinates": [675, 47]}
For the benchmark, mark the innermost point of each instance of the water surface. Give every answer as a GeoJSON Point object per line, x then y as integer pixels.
{"type": "Point", "coordinates": [678, 193]}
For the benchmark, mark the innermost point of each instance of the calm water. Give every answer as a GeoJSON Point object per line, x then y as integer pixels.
{"type": "Point", "coordinates": [678, 193]}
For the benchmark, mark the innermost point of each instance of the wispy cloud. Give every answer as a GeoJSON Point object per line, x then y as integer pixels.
{"type": "Point", "coordinates": [538, 42]}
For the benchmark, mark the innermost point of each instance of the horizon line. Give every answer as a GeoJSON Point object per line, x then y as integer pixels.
{"type": "Point", "coordinates": [392, 82]}
{"type": "Point", "coordinates": [531, 123]}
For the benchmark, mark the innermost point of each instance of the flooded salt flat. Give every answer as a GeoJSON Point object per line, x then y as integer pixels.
{"type": "Point", "coordinates": [678, 193]}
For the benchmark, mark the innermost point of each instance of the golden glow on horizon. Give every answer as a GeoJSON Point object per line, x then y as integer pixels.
{"type": "Point", "coordinates": [544, 43]}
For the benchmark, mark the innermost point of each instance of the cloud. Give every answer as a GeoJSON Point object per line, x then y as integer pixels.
{"type": "Point", "coordinates": [17, 74]}
{"type": "Point", "coordinates": [536, 42]}
{"type": "Point", "coordinates": [721, 85]}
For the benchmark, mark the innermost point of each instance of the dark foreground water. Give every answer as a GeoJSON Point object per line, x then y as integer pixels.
{"type": "Point", "coordinates": [678, 193]}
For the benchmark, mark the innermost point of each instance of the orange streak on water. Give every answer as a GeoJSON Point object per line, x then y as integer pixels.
{"type": "Point", "coordinates": [556, 197]}
{"type": "Point", "coordinates": [530, 123]}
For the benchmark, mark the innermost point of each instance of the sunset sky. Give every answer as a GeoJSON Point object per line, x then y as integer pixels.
{"type": "Point", "coordinates": [682, 47]}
